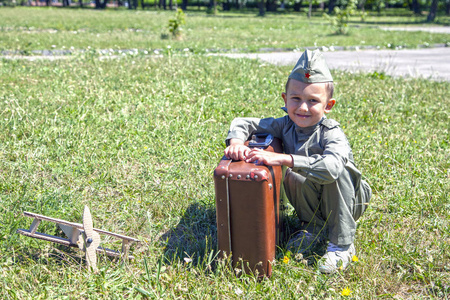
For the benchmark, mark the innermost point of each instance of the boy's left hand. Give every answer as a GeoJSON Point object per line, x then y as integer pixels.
{"type": "Point", "coordinates": [269, 158]}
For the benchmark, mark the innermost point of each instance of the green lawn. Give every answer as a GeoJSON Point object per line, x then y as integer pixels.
{"type": "Point", "coordinates": [27, 29]}
{"type": "Point", "coordinates": [137, 140]}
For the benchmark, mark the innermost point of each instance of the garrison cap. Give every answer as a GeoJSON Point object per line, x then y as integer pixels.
{"type": "Point", "coordinates": [311, 68]}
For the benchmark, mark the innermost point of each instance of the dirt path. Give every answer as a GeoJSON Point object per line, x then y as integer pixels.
{"type": "Point", "coordinates": [432, 29]}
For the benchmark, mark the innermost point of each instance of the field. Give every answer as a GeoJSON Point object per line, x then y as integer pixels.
{"type": "Point", "coordinates": [28, 29]}
{"type": "Point", "coordinates": [137, 138]}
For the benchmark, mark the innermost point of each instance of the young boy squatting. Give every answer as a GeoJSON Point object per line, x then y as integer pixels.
{"type": "Point", "coordinates": [321, 182]}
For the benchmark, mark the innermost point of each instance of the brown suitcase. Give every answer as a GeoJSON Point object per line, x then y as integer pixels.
{"type": "Point", "coordinates": [248, 209]}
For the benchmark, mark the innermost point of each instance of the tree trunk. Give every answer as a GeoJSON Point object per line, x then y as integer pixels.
{"type": "Point", "coordinates": [415, 7]}
{"type": "Point", "coordinates": [331, 6]}
{"type": "Point", "coordinates": [298, 5]}
{"type": "Point", "coordinates": [310, 9]}
{"type": "Point", "coordinates": [262, 9]}
{"type": "Point", "coordinates": [362, 4]}
{"type": "Point", "coordinates": [226, 5]}
{"type": "Point", "coordinates": [271, 5]}
{"type": "Point", "coordinates": [447, 8]}
{"type": "Point", "coordinates": [184, 5]}
{"type": "Point", "coordinates": [433, 10]}
{"type": "Point", "coordinates": [213, 6]}
{"type": "Point", "coordinates": [98, 4]}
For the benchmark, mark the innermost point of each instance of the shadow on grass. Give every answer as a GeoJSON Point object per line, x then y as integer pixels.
{"type": "Point", "coordinates": [194, 236]}
{"type": "Point", "coordinates": [291, 227]}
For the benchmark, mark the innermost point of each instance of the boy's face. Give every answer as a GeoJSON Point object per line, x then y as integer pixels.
{"type": "Point", "coordinates": [306, 103]}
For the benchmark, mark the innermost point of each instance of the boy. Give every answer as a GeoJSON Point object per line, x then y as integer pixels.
{"type": "Point", "coordinates": [321, 181]}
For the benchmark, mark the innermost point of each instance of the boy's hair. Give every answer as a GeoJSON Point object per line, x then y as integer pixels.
{"type": "Point", "coordinates": [328, 85]}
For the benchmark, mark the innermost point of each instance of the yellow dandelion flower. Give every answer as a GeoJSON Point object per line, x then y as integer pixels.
{"type": "Point", "coordinates": [285, 259]}
{"type": "Point", "coordinates": [346, 292]}
{"type": "Point", "coordinates": [355, 258]}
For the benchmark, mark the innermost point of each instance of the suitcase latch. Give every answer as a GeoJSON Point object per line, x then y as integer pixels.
{"type": "Point", "coordinates": [259, 175]}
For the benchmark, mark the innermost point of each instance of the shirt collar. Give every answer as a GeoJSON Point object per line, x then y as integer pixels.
{"type": "Point", "coordinates": [309, 130]}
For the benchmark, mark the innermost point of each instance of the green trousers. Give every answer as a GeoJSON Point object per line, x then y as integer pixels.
{"type": "Point", "coordinates": [333, 208]}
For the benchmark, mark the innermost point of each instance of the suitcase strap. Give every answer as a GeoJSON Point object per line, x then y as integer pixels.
{"type": "Point", "coordinates": [228, 221]}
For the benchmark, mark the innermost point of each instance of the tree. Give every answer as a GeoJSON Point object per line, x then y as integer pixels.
{"type": "Point", "coordinates": [99, 4]}
{"type": "Point", "coordinates": [212, 8]}
{"type": "Point", "coordinates": [262, 8]}
{"type": "Point", "coordinates": [433, 10]}
{"type": "Point", "coordinates": [310, 9]}
{"type": "Point", "coordinates": [184, 5]}
{"type": "Point", "coordinates": [132, 4]}
{"type": "Point", "coordinates": [298, 5]}
{"type": "Point", "coordinates": [415, 7]}
{"type": "Point", "coordinates": [271, 5]}
{"type": "Point", "coordinates": [331, 6]}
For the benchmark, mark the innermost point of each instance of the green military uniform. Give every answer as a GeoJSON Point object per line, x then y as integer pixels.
{"type": "Point", "coordinates": [324, 186]}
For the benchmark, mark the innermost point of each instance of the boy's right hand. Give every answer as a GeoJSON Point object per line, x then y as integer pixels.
{"type": "Point", "coordinates": [237, 150]}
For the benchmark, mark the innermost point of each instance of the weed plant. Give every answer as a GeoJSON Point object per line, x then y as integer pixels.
{"type": "Point", "coordinates": [28, 29]}
{"type": "Point", "coordinates": [137, 140]}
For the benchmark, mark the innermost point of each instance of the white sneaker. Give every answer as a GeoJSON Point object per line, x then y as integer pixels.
{"type": "Point", "coordinates": [303, 241]}
{"type": "Point", "coordinates": [336, 258]}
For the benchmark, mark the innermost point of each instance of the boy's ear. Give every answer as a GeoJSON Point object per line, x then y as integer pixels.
{"type": "Point", "coordinates": [283, 95]}
{"type": "Point", "coordinates": [330, 105]}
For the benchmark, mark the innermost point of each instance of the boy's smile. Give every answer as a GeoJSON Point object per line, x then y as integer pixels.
{"type": "Point", "coordinates": [307, 103]}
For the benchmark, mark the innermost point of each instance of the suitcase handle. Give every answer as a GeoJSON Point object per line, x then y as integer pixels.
{"type": "Point", "coordinates": [262, 140]}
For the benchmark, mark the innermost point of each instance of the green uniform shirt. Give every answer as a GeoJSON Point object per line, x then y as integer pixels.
{"type": "Point", "coordinates": [320, 152]}
{"type": "Point", "coordinates": [324, 175]}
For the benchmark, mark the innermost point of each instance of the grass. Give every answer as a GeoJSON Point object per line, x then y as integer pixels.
{"type": "Point", "coordinates": [137, 139]}
{"type": "Point", "coordinates": [28, 29]}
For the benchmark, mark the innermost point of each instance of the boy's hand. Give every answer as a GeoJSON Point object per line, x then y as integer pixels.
{"type": "Point", "coordinates": [237, 150]}
{"type": "Point", "coordinates": [269, 158]}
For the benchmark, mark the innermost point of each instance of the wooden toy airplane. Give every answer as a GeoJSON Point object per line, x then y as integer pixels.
{"type": "Point", "coordinates": [83, 236]}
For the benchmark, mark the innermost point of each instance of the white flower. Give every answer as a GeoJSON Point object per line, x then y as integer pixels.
{"type": "Point", "coordinates": [238, 291]}
{"type": "Point", "coordinates": [187, 260]}
{"type": "Point", "coordinates": [168, 46]}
